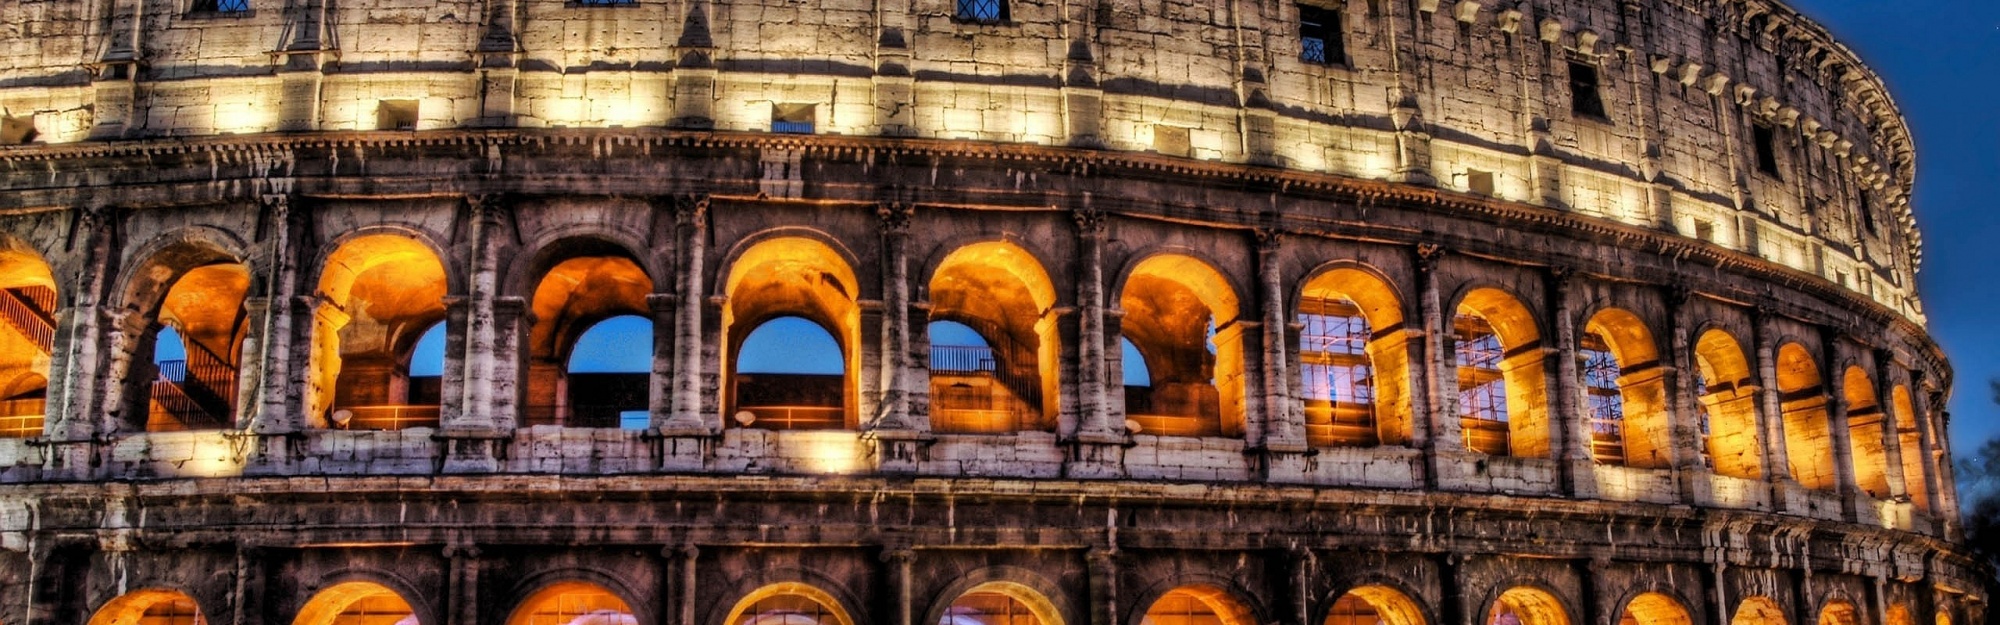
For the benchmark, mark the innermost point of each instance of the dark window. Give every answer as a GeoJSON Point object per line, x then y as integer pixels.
{"type": "Point", "coordinates": [603, 3]}
{"type": "Point", "coordinates": [1583, 91]}
{"type": "Point", "coordinates": [221, 6]}
{"type": "Point", "coordinates": [1767, 149]}
{"type": "Point", "coordinates": [982, 11]}
{"type": "Point", "coordinates": [792, 118]}
{"type": "Point", "coordinates": [1479, 181]}
{"type": "Point", "coordinates": [1319, 36]}
{"type": "Point", "coordinates": [396, 115]}
{"type": "Point", "coordinates": [1868, 214]}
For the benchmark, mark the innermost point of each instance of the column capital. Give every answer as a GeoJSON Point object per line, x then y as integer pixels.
{"type": "Point", "coordinates": [486, 206]}
{"type": "Point", "coordinates": [895, 217]}
{"type": "Point", "coordinates": [690, 209]}
{"type": "Point", "coordinates": [1269, 239]}
{"type": "Point", "coordinates": [1090, 222]}
{"type": "Point", "coordinates": [1428, 255]}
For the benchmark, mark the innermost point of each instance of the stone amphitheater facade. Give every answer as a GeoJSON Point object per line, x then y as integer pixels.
{"type": "Point", "coordinates": [1452, 312]}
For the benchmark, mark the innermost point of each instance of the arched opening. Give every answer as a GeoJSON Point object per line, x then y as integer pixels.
{"type": "Point", "coordinates": [1626, 392]}
{"type": "Point", "coordinates": [790, 376]}
{"type": "Point", "coordinates": [587, 282]}
{"type": "Point", "coordinates": [573, 603]}
{"type": "Point", "coordinates": [608, 372]}
{"type": "Point", "coordinates": [1374, 605]}
{"type": "Point", "coordinates": [1865, 434]}
{"type": "Point", "coordinates": [1181, 314]}
{"type": "Point", "coordinates": [1898, 614]}
{"type": "Point", "coordinates": [993, 342]}
{"type": "Point", "coordinates": [1198, 605]}
{"type": "Point", "coordinates": [1910, 440]}
{"type": "Point", "coordinates": [1502, 389]}
{"type": "Point", "coordinates": [1527, 606]}
{"type": "Point", "coordinates": [1758, 610]}
{"type": "Point", "coordinates": [1001, 603]}
{"type": "Point", "coordinates": [788, 603]}
{"type": "Point", "coordinates": [197, 293]}
{"type": "Point", "coordinates": [150, 607]}
{"type": "Point", "coordinates": [808, 291]}
{"type": "Point", "coordinates": [378, 294]}
{"type": "Point", "coordinates": [1808, 435]}
{"type": "Point", "coordinates": [1728, 407]}
{"type": "Point", "coordinates": [1655, 609]}
{"type": "Point", "coordinates": [1353, 360]}
{"type": "Point", "coordinates": [356, 603]}
{"type": "Point", "coordinates": [27, 338]}
{"type": "Point", "coordinates": [1839, 613]}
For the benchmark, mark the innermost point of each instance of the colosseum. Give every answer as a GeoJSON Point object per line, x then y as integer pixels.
{"type": "Point", "coordinates": [962, 312]}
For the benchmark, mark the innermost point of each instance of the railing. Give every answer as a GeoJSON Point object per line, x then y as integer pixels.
{"type": "Point", "coordinates": [796, 417]}
{"type": "Point", "coordinates": [961, 359]}
{"type": "Point", "coordinates": [1607, 440]}
{"type": "Point", "coordinates": [22, 418]}
{"type": "Point", "coordinates": [975, 420]}
{"type": "Point", "coordinates": [390, 417]}
{"type": "Point", "coordinates": [18, 308]}
{"type": "Point", "coordinates": [189, 396]}
{"type": "Point", "coordinates": [1485, 436]}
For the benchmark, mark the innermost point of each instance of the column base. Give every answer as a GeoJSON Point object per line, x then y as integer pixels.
{"type": "Point", "coordinates": [1285, 464]}
{"type": "Point", "coordinates": [273, 453]}
{"type": "Point", "coordinates": [1096, 457]}
{"type": "Point", "coordinates": [70, 460]}
{"type": "Point", "coordinates": [682, 450]}
{"type": "Point", "coordinates": [472, 451]}
{"type": "Point", "coordinates": [898, 451]}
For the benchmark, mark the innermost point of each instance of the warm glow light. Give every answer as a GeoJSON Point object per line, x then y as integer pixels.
{"type": "Point", "coordinates": [827, 452]}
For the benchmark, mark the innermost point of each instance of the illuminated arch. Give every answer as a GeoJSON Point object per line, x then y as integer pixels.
{"type": "Point", "coordinates": [1372, 604]}
{"type": "Point", "coordinates": [1728, 403]}
{"type": "Point", "coordinates": [1898, 614]}
{"type": "Point", "coordinates": [1839, 612]}
{"type": "Point", "coordinates": [196, 288]}
{"type": "Point", "coordinates": [150, 607]}
{"type": "Point", "coordinates": [573, 602]}
{"type": "Point", "coordinates": [356, 603]}
{"type": "Point", "coordinates": [586, 282]}
{"type": "Point", "coordinates": [1654, 608]}
{"type": "Point", "coordinates": [1758, 610]}
{"type": "Point", "coordinates": [1198, 604]}
{"type": "Point", "coordinates": [1001, 603]}
{"type": "Point", "coordinates": [1176, 308]}
{"type": "Point", "coordinates": [1502, 389]}
{"type": "Point", "coordinates": [1627, 392]}
{"type": "Point", "coordinates": [1001, 292]}
{"type": "Point", "coordinates": [1865, 441]}
{"type": "Point", "coordinates": [1523, 605]}
{"type": "Point", "coordinates": [791, 276]}
{"type": "Point", "coordinates": [1909, 440]}
{"type": "Point", "coordinates": [28, 304]}
{"type": "Point", "coordinates": [378, 294]}
{"type": "Point", "coordinates": [1354, 360]}
{"type": "Point", "coordinates": [1808, 431]}
{"type": "Point", "coordinates": [788, 603]}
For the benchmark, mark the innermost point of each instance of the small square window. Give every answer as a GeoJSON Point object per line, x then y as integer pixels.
{"type": "Point", "coordinates": [793, 118]}
{"type": "Point", "coordinates": [1766, 141]}
{"type": "Point", "coordinates": [1704, 230]}
{"type": "Point", "coordinates": [1171, 140]}
{"type": "Point", "coordinates": [603, 3]}
{"type": "Point", "coordinates": [981, 11]}
{"type": "Point", "coordinates": [1867, 214]}
{"type": "Point", "coordinates": [396, 115]}
{"type": "Point", "coordinates": [1585, 98]}
{"type": "Point", "coordinates": [220, 6]}
{"type": "Point", "coordinates": [1479, 181]}
{"type": "Point", "coordinates": [1320, 39]}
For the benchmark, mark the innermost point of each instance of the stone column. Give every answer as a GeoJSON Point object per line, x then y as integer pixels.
{"type": "Point", "coordinates": [1927, 447]}
{"type": "Point", "coordinates": [1578, 468]}
{"type": "Point", "coordinates": [682, 600]}
{"type": "Point", "coordinates": [470, 439]}
{"type": "Point", "coordinates": [247, 596]}
{"type": "Point", "coordinates": [1434, 374]}
{"type": "Point", "coordinates": [898, 437]}
{"type": "Point", "coordinates": [897, 562]}
{"type": "Point", "coordinates": [1298, 590]}
{"type": "Point", "coordinates": [690, 244]}
{"type": "Point", "coordinates": [694, 74]}
{"type": "Point", "coordinates": [1102, 564]}
{"type": "Point", "coordinates": [1284, 436]}
{"type": "Point", "coordinates": [659, 385]}
{"type": "Point", "coordinates": [1851, 495]}
{"type": "Point", "coordinates": [1096, 446]}
{"type": "Point", "coordinates": [1770, 413]}
{"type": "Point", "coordinates": [1935, 425]}
{"type": "Point", "coordinates": [498, 56]}
{"type": "Point", "coordinates": [1683, 401]}
{"type": "Point", "coordinates": [77, 381]}
{"type": "Point", "coordinates": [1892, 444]}
{"type": "Point", "coordinates": [273, 388]}
{"type": "Point", "coordinates": [461, 601]}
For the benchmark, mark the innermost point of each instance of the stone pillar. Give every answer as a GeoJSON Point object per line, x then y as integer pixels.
{"type": "Point", "coordinates": [1284, 437]}
{"type": "Point", "coordinates": [1096, 446]}
{"type": "Point", "coordinates": [1573, 428]}
{"type": "Point", "coordinates": [1102, 565]}
{"type": "Point", "coordinates": [1935, 425]}
{"type": "Point", "coordinates": [898, 438]}
{"type": "Point", "coordinates": [470, 439]}
{"type": "Point", "coordinates": [461, 601]}
{"type": "Point", "coordinates": [1770, 413]}
{"type": "Point", "coordinates": [694, 70]}
{"type": "Point", "coordinates": [1927, 446]}
{"type": "Point", "coordinates": [1434, 371]}
{"type": "Point", "coordinates": [896, 562]}
{"type": "Point", "coordinates": [498, 56]}
{"type": "Point", "coordinates": [1683, 401]}
{"type": "Point", "coordinates": [1413, 144]}
{"type": "Point", "coordinates": [1892, 444]}
{"type": "Point", "coordinates": [1298, 590]}
{"type": "Point", "coordinates": [77, 380]}
{"type": "Point", "coordinates": [686, 417]}
{"type": "Point", "coordinates": [660, 397]}
{"type": "Point", "coordinates": [1850, 492]}
{"type": "Point", "coordinates": [247, 599]}
{"type": "Point", "coordinates": [681, 601]}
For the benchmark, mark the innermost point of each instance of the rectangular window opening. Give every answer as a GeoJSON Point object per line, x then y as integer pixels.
{"type": "Point", "coordinates": [1479, 181]}
{"type": "Point", "coordinates": [603, 3]}
{"type": "Point", "coordinates": [1704, 230]}
{"type": "Point", "coordinates": [220, 6]}
{"type": "Point", "coordinates": [1585, 98]}
{"type": "Point", "coordinates": [794, 118]}
{"type": "Point", "coordinates": [982, 11]}
{"type": "Point", "coordinates": [396, 115]}
{"type": "Point", "coordinates": [1766, 141]}
{"type": "Point", "coordinates": [1171, 140]}
{"type": "Point", "coordinates": [1867, 210]}
{"type": "Point", "coordinates": [1320, 40]}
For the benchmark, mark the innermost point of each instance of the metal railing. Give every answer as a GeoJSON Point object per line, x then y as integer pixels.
{"type": "Point", "coordinates": [394, 417]}
{"type": "Point", "coordinates": [1485, 436]}
{"type": "Point", "coordinates": [22, 418]}
{"type": "Point", "coordinates": [961, 359]}
{"type": "Point", "coordinates": [797, 417]}
{"type": "Point", "coordinates": [19, 310]}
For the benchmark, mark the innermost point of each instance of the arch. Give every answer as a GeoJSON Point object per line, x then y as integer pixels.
{"type": "Point", "coordinates": [1178, 309]}
{"type": "Point", "coordinates": [1653, 608]}
{"type": "Point", "coordinates": [1867, 443]}
{"type": "Point", "coordinates": [1354, 359]}
{"type": "Point", "coordinates": [608, 372]}
{"type": "Point", "coordinates": [583, 282]}
{"type": "Point", "coordinates": [357, 603]}
{"type": "Point", "coordinates": [788, 603]}
{"type": "Point", "coordinates": [1502, 389]}
{"type": "Point", "coordinates": [1839, 612]}
{"type": "Point", "coordinates": [790, 375]}
{"type": "Point", "coordinates": [1808, 431]}
{"type": "Point", "coordinates": [152, 606]}
{"type": "Point", "coordinates": [569, 602]}
{"type": "Point", "coordinates": [1909, 440]}
{"type": "Point", "coordinates": [1198, 604]}
{"type": "Point", "coordinates": [1626, 391]}
{"type": "Point", "coordinates": [791, 276]}
{"type": "Point", "coordinates": [1372, 604]}
{"type": "Point", "coordinates": [1758, 610]}
{"type": "Point", "coordinates": [1525, 605]}
{"type": "Point", "coordinates": [198, 290]}
{"type": "Point", "coordinates": [1898, 614]}
{"type": "Point", "coordinates": [1000, 603]}
{"type": "Point", "coordinates": [1002, 292]}
{"type": "Point", "coordinates": [1727, 402]}
{"type": "Point", "coordinates": [377, 294]}
{"type": "Point", "coordinates": [28, 303]}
